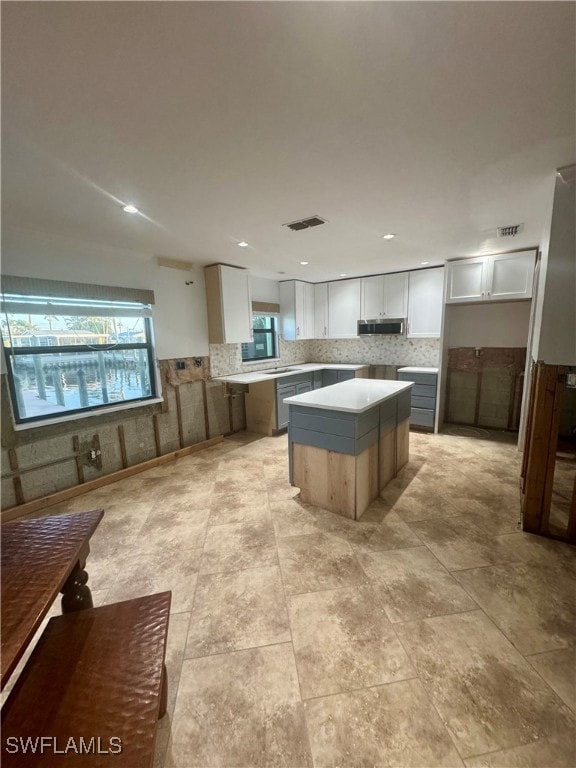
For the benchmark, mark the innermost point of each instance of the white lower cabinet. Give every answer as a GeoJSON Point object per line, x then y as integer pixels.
{"type": "Point", "coordinates": [343, 308]}
{"type": "Point", "coordinates": [425, 303]}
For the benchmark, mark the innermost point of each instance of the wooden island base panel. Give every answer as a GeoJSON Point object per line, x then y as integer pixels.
{"type": "Point", "coordinates": [347, 441]}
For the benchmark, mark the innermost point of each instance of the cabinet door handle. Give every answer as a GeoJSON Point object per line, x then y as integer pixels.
{"type": "Point", "coordinates": [325, 331]}
{"type": "Point", "coordinates": [297, 330]}
{"type": "Point", "coordinates": [488, 293]}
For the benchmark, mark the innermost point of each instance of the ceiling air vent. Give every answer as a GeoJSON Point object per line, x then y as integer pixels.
{"type": "Point", "coordinates": [313, 221]}
{"type": "Point", "coordinates": [510, 231]}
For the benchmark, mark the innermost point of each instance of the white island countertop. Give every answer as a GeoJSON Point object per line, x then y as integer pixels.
{"type": "Point", "coordinates": [254, 377]}
{"type": "Point", "coordinates": [353, 396]}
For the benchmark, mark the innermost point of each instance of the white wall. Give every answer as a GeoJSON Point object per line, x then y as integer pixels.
{"type": "Point", "coordinates": [555, 316]}
{"type": "Point", "coordinates": [264, 290]}
{"type": "Point", "coordinates": [488, 325]}
{"type": "Point", "coordinates": [179, 314]}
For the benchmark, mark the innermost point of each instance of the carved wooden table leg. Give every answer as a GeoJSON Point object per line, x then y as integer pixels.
{"type": "Point", "coordinates": [163, 693]}
{"type": "Point", "coordinates": [76, 595]}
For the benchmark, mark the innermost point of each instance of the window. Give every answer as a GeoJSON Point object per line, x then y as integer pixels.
{"type": "Point", "coordinates": [264, 345]}
{"type": "Point", "coordinates": [68, 356]}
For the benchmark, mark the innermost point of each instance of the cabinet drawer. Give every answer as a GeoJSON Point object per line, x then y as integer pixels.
{"type": "Point", "coordinates": [423, 390]}
{"type": "Point", "coordinates": [424, 402]}
{"type": "Point", "coordinates": [421, 417]}
{"type": "Point", "coordinates": [419, 378]}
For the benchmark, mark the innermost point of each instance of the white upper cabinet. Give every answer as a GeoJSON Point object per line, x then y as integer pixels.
{"type": "Point", "coordinates": [396, 295]}
{"type": "Point", "coordinates": [466, 280]}
{"type": "Point", "coordinates": [510, 276]}
{"type": "Point", "coordinates": [384, 296]}
{"type": "Point", "coordinates": [343, 309]}
{"type": "Point", "coordinates": [425, 303]}
{"type": "Point", "coordinates": [297, 310]}
{"type": "Point", "coordinates": [321, 311]}
{"type": "Point", "coordinates": [372, 297]}
{"type": "Point", "coordinates": [504, 277]}
{"type": "Point", "coordinates": [229, 304]}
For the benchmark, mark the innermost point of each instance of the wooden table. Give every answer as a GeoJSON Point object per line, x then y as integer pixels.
{"type": "Point", "coordinates": [40, 558]}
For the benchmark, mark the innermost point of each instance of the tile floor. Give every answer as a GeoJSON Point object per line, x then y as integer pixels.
{"type": "Point", "coordinates": [429, 633]}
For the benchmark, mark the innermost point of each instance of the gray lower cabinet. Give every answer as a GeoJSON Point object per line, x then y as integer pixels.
{"type": "Point", "coordinates": [289, 388]}
{"type": "Point", "coordinates": [424, 393]}
{"type": "Point", "coordinates": [334, 376]}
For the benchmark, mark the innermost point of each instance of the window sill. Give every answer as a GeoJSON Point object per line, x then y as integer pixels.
{"type": "Point", "coordinates": [87, 414]}
{"type": "Point", "coordinates": [261, 361]}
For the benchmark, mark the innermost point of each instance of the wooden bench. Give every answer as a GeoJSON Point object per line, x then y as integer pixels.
{"type": "Point", "coordinates": [93, 688]}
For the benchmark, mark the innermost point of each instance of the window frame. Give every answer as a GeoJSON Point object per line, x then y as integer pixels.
{"type": "Point", "coordinates": [262, 331]}
{"type": "Point", "coordinates": [11, 353]}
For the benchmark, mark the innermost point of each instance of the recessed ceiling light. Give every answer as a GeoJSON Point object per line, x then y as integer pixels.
{"type": "Point", "coordinates": [424, 262]}
{"type": "Point", "coordinates": [242, 244]}
{"type": "Point", "coordinates": [130, 209]}
{"type": "Point", "coordinates": [343, 274]}
{"type": "Point", "coordinates": [389, 236]}
{"type": "Point", "coordinates": [304, 263]}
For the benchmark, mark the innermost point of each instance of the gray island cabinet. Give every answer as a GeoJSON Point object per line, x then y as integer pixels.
{"type": "Point", "coordinates": [347, 441]}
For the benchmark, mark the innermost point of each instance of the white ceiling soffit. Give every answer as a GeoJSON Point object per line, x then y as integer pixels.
{"type": "Point", "coordinates": [439, 122]}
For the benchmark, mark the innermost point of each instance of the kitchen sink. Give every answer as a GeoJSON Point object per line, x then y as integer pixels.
{"type": "Point", "coordinates": [279, 370]}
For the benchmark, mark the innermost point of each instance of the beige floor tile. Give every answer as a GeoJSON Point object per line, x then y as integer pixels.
{"type": "Point", "coordinates": [390, 725]}
{"type": "Point", "coordinates": [415, 502]}
{"type": "Point", "coordinates": [172, 534]}
{"type": "Point", "coordinates": [546, 753]}
{"type": "Point", "coordinates": [177, 632]}
{"type": "Point", "coordinates": [236, 546]}
{"type": "Point", "coordinates": [343, 641]}
{"type": "Point", "coordinates": [240, 709]}
{"type": "Point", "coordinates": [239, 481]}
{"type": "Point", "coordinates": [237, 610]}
{"type": "Point", "coordinates": [535, 613]}
{"type": "Point", "coordinates": [553, 556]}
{"type": "Point", "coordinates": [317, 561]}
{"type": "Point", "coordinates": [158, 571]}
{"type": "Point", "coordinates": [377, 529]}
{"type": "Point", "coordinates": [486, 693]}
{"type": "Point", "coordinates": [413, 584]}
{"type": "Point", "coordinates": [238, 499]}
{"type": "Point", "coordinates": [558, 668]}
{"type": "Point", "coordinates": [279, 488]}
{"type": "Point", "coordinates": [224, 514]}
{"type": "Point", "coordinates": [291, 517]}
{"type": "Point", "coordinates": [458, 543]}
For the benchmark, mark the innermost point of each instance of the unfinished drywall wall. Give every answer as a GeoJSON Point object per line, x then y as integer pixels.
{"type": "Point", "coordinates": [39, 462]}
{"type": "Point", "coordinates": [484, 386]}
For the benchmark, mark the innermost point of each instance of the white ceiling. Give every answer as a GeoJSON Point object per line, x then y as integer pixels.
{"type": "Point", "coordinates": [222, 121]}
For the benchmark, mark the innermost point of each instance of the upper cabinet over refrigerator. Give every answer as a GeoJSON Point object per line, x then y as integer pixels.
{"type": "Point", "coordinates": [504, 277]}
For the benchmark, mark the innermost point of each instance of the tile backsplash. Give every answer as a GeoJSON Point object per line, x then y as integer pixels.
{"type": "Point", "coordinates": [226, 359]}
{"type": "Point", "coordinates": [376, 350]}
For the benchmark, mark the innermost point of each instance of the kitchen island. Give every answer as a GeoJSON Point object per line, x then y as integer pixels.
{"type": "Point", "coordinates": [347, 441]}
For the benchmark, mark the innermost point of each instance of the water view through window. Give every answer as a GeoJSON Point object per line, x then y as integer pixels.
{"type": "Point", "coordinates": [66, 363]}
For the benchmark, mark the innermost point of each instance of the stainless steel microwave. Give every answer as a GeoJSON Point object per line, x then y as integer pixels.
{"type": "Point", "coordinates": [382, 326]}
